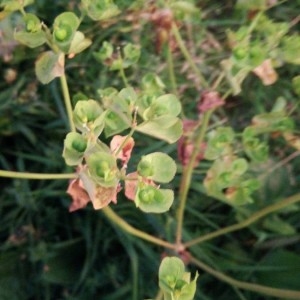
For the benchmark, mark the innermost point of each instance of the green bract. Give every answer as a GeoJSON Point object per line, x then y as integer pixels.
{"type": "Point", "coordinates": [32, 35]}
{"type": "Point", "coordinates": [105, 52]}
{"type": "Point", "coordinates": [153, 200]}
{"type": "Point", "coordinates": [88, 117]}
{"type": "Point", "coordinates": [175, 283]}
{"type": "Point", "coordinates": [219, 143]}
{"type": "Point", "coordinates": [157, 166]}
{"type": "Point", "coordinates": [64, 29]}
{"type": "Point", "coordinates": [103, 168]}
{"type": "Point", "coordinates": [255, 149]}
{"type": "Point", "coordinates": [99, 10]}
{"type": "Point", "coordinates": [74, 147]}
{"type": "Point", "coordinates": [166, 105]}
{"type": "Point", "coordinates": [13, 5]}
{"type": "Point", "coordinates": [160, 115]}
{"type": "Point", "coordinates": [49, 66]}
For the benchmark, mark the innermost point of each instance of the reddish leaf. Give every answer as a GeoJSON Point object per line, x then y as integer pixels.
{"type": "Point", "coordinates": [104, 195]}
{"type": "Point", "coordinates": [209, 100]}
{"type": "Point", "coordinates": [131, 183]}
{"type": "Point", "coordinates": [266, 72]}
{"type": "Point", "coordinates": [79, 195]}
{"type": "Point", "coordinates": [185, 146]}
{"type": "Point", "coordinates": [99, 195]}
{"type": "Point", "coordinates": [117, 142]}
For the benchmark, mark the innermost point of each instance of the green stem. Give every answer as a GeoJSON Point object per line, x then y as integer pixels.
{"type": "Point", "coordinates": [115, 219]}
{"type": "Point", "coordinates": [187, 176]}
{"type": "Point", "coordinates": [37, 176]}
{"type": "Point", "coordinates": [123, 76]}
{"type": "Point", "coordinates": [67, 99]}
{"type": "Point", "coordinates": [279, 293]}
{"type": "Point", "coordinates": [256, 216]}
{"type": "Point", "coordinates": [171, 70]}
{"type": "Point", "coordinates": [187, 55]}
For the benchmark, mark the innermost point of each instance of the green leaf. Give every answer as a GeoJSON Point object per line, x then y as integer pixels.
{"type": "Point", "coordinates": [74, 147]}
{"type": "Point", "coordinates": [166, 105]}
{"type": "Point", "coordinates": [157, 166]}
{"type": "Point", "coordinates": [166, 128]}
{"type": "Point", "coordinates": [79, 43]}
{"type": "Point", "coordinates": [219, 143]}
{"type": "Point", "coordinates": [12, 5]}
{"type": "Point", "coordinates": [88, 117]}
{"type": "Point", "coordinates": [131, 55]}
{"type": "Point", "coordinates": [153, 200]}
{"type": "Point", "coordinates": [32, 35]}
{"type": "Point", "coordinates": [100, 10]}
{"type": "Point", "coordinates": [151, 82]}
{"type": "Point", "coordinates": [291, 49]}
{"type": "Point", "coordinates": [115, 122]}
{"type": "Point", "coordinates": [296, 84]}
{"type": "Point", "coordinates": [188, 290]}
{"type": "Point", "coordinates": [170, 271]}
{"type": "Point", "coordinates": [105, 52]}
{"type": "Point", "coordinates": [49, 65]}
{"type": "Point", "coordinates": [174, 281]}
{"type": "Point", "coordinates": [64, 28]}
{"type": "Point", "coordinates": [103, 168]}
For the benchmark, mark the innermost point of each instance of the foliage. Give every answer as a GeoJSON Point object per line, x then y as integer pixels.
{"type": "Point", "coordinates": [176, 124]}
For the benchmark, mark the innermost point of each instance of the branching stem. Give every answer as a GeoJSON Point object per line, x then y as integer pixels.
{"type": "Point", "coordinates": [120, 222]}
{"type": "Point", "coordinates": [278, 293]}
{"type": "Point", "coordinates": [255, 217]}
{"type": "Point", "coordinates": [187, 176]}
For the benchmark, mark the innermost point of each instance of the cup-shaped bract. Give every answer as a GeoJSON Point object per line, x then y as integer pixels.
{"type": "Point", "coordinates": [103, 169]}
{"type": "Point", "coordinates": [157, 166]}
{"type": "Point", "coordinates": [219, 143]}
{"type": "Point", "coordinates": [64, 29]}
{"type": "Point", "coordinates": [165, 105]}
{"type": "Point", "coordinates": [32, 34]}
{"type": "Point", "coordinates": [75, 146]}
{"type": "Point", "coordinates": [174, 281]}
{"type": "Point", "coordinates": [88, 116]}
{"type": "Point", "coordinates": [100, 10]}
{"type": "Point", "coordinates": [150, 199]}
{"type": "Point", "coordinates": [256, 149]}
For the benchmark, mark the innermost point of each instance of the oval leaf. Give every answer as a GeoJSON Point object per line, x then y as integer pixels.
{"type": "Point", "coordinates": [49, 66]}
{"type": "Point", "coordinates": [157, 166]}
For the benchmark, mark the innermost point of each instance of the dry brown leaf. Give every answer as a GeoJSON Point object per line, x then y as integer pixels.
{"type": "Point", "coordinates": [266, 72]}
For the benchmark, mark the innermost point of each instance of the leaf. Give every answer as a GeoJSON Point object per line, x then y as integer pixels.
{"type": "Point", "coordinates": [100, 10]}
{"type": "Point", "coordinates": [74, 147]}
{"type": "Point", "coordinates": [170, 271]}
{"type": "Point", "coordinates": [49, 65]}
{"type": "Point", "coordinates": [153, 200]}
{"type": "Point", "coordinates": [101, 196]}
{"type": "Point", "coordinates": [166, 105]}
{"type": "Point", "coordinates": [116, 122]}
{"type": "Point", "coordinates": [102, 168]}
{"type": "Point", "coordinates": [291, 49]}
{"type": "Point", "coordinates": [79, 195]}
{"type": "Point", "coordinates": [32, 35]}
{"type": "Point", "coordinates": [166, 128]}
{"type": "Point", "coordinates": [79, 43]}
{"type": "Point", "coordinates": [64, 29]}
{"type": "Point", "coordinates": [158, 167]}
{"type": "Point", "coordinates": [127, 146]}
{"type": "Point", "coordinates": [266, 72]}
{"type": "Point", "coordinates": [88, 117]}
